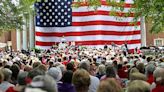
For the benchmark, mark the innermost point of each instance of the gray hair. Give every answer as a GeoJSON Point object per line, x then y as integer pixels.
{"type": "Point", "coordinates": [85, 65]}
{"type": "Point", "coordinates": [44, 82]}
{"type": "Point", "coordinates": [7, 74]}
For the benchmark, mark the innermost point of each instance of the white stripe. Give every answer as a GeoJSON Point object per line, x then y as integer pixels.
{"type": "Point", "coordinates": [130, 46]}
{"type": "Point", "coordinates": [126, 1]}
{"type": "Point", "coordinates": [103, 7]}
{"type": "Point", "coordinates": [87, 28]}
{"type": "Point", "coordinates": [89, 38]}
{"type": "Point", "coordinates": [102, 17]}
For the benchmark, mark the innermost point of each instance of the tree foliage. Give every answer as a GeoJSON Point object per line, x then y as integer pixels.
{"type": "Point", "coordinates": [11, 15]}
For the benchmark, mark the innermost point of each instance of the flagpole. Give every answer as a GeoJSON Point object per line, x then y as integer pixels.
{"type": "Point", "coordinates": [31, 31]}
{"type": "Point", "coordinates": [24, 34]}
{"type": "Point", "coordinates": [143, 32]}
{"type": "Point", "coordinates": [18, 39]}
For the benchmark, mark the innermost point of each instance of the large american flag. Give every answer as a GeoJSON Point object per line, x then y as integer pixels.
{"type": "Point", "coordinates": [56, 19]}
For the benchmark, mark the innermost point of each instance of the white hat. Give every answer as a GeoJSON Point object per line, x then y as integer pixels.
{"type": "Point", "coordinates": [55, 72]}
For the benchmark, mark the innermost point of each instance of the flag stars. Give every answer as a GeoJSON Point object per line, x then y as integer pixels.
{"type": "Point", "coordinates": [50, 17]}
{"type": "Point", "coordinates": [65, 13]}
{"type": "Point", "coordinates": [68, 23]}
{"type": "Point", "coordinates": [62, 3]}
{"type": "Point", "coordinates": [59, 6]}
{"type": "Point", "coordinates": [48, 20]}
{"type": "Point", "coordinates": [44, 10]}
{"type": "Point", "coordinates": [62, 10]}
{"type": "Point", "coordinates": [44, 17]}
{"type": "Point", "coordinates": [41, 20]}
{"type": "Point", "coordinates": [47, 7]}
{"type": "Point", "coordinates": [53, 20]}
{"type": "Point", "coordinates": [65, 6]}
{"type": "Point", "coordinates": [50, 10]}
{"type": "Point", "coordinates": [65, 20]}
{"type": "Point", "coordinates": [59, 20]}
{"type": "Point", "coordinates": [62, 23]}
{"type": "Point", "coordinates": [50, 23]}
{"type": "Point", "coordinates": [41, 14]}
{"type": "Point", "coordinates": [69, 9]}
{"type": "Point", "coordinates": [59, 13]}
{"type": "Point", "coordinates": [38, 17]}
{"type": "Point", "coordinates": [56, 10]}
{"type": "Point", "coordinates": [38, 23]}
{"type": "Point", "coordinates": [69, 2]}
{"type": "Point", "coordinates": [56, 17]}
{"type": "Point", "coordinates": [69, 16]}
{"type": "Point", "coordinates": [49, 3]}
{"type": "Point", "coordinates": [43, 4]}
{"type": "Point", "coordinates": [40, 7]}
{"type": "Point", "coordinates": [47, 14]}
{"type": "Point", "coordinates": [54, 13]}
{"type": "Point", "coordinates": [62, 17]}
{"type": "Point", "coordinates": [56, 23]}
{"type": "Point", "coordinates": [44, 23]}
{"type": "Point", "coordinates": [53, 7]}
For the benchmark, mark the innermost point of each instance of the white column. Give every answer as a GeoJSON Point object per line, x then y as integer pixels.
{"type": "Point", "coordinates": [18, 39]}
{"type": "Point", "coordinates": [31, 31]}
{"type": "Point", "coordinates": [143, 32]}
{"type": "Point", "coordinates": [24, 34]}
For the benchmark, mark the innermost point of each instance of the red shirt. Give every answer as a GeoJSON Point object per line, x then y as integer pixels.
{"type": "Point", "coordinates": [11, 89]}
{"type": "Point", "coordinates": [150, 79]}
{"type": "Point", "coordinates": [158, 88]}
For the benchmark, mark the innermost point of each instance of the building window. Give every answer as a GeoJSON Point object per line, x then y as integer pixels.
{"type": "Point", "coordinates": [158, 42]}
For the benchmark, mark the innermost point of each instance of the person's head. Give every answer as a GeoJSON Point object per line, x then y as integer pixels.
{"type": "Point", "coordinates": [70, 66]}
{"type": "Point", "coordinates": [101, 69]}
{"type": "Point", "coordinates": [36, 64]}
{"type": "Point", "coordinates": [110, 72]}
{"type": "Point", "coordinates": [55, 72]}
{"type": "Point", "coordinates": [7, 74]}
{"type": "Point", "coordinates": [159, 76]}
{"type": "Point", "coordinates": [42, 67]}
{"type": "Point", "coordinates": [109, 85]}
{"type": "Point", "coordinates": [27, 68]}
{"type": "Point", "coordinates": [149, 69]}
{"type": "Point", "coordinates": [34, 73]}
{"type": "Point", "coordinates": [42, 83]}
{"type": "Point", "coordinates": [138, 86]}
{"type": "Point", "coordinates": [22, 78]}
{"type": "Point", "coordinates": [15, 71]}
{"type": "Point", "coordinates": [85, 65]}
{"type": "Point", "coordinates": [81, 80]}
{"type": "Point", "coordinates": [67, 76]}
{"type": "Point", "coordinates": [133, 70]}
{"type": "Point", "coordinates": [141, 67]}
{"type": "Point", "coordinates": [137, 76]}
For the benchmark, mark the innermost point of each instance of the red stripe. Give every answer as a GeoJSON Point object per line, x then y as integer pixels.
{"type": "Point", "coordinates": [126, 5]}
{"type": "Point", "coordinates": [96, 32]}
{"type": "Point", "coordinates": [102, 12]}
{"type": "Point", "coordinates": [97, 42]}
{"type": "Point", "coordinates": [100, 22]}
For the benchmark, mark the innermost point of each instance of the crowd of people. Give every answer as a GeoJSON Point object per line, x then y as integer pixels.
{"type": "Point", "coordinates": [80, 69]}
